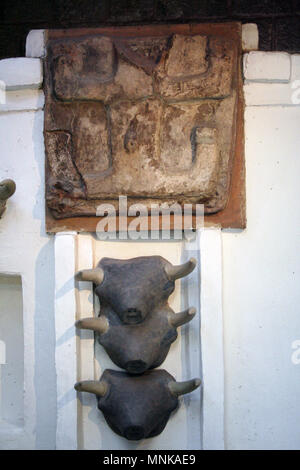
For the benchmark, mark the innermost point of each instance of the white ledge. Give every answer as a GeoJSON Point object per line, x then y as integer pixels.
{"type": "Point", "coordinates": [272, 94]}
{"type": "Point", "coordinates": [21, 72]}
{"type": "Point", "coordinates": [22, 100]}
{"type": "Point", "coordinates": [267, 67]}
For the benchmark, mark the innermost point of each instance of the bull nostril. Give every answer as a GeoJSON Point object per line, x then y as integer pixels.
{"type": "Point", "coordinates": [132, 316]}
{"type": "Point", "coordinates": [134, 433]}
{"type": "Point", "coordinates": [136, 367]}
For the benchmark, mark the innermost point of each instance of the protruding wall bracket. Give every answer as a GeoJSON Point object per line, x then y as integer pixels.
{"type": "Point", "coordinates": [7, 189]}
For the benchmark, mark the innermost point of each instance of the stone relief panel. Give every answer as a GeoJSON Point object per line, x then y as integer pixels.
{"type": "Point", "coordinates": [150, 116]}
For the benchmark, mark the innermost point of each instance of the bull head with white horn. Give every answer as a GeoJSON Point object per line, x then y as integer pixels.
{"type": "Point", "coordinates": [137, 348]}
{"type": "Point", "coordinates": [127, 401]}
{"type": "Point", "coordinates": [133, 288]}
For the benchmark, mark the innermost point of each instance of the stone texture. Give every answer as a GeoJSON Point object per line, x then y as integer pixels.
{"type": "Point", "coordinates": [21, 73]}
{"type": "Point", "coordinates": [150, 116]}
{"type": "Point", "coordinates": [89, 69]}
{"type": "Point", "coordinates": [267, 66]}
{"type": "Point", "coordinates": [181, 78]}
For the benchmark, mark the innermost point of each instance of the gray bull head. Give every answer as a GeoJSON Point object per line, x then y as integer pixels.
{"type": "Point", "coordinates": [137, 407]}
{"type": "Point", "coordinates": [137, 348]}
{"type": "Point", "coordinates": [133, 288]}
{"type": "Point", "coordinates": [7, 189]}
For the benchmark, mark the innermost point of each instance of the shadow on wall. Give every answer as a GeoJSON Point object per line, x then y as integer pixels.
{"type": "Point", "coordinates": [44, 320]}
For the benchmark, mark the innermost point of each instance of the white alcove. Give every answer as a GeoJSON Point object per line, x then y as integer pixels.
{"type": "Point", "coordinates": [12, 352]}
{"type": "Point", "coordinates": [197, 352]}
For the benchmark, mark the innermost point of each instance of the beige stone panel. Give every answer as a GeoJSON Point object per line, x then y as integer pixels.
{"type": "Point", "coordinates": [91, 69]}
{"type": "Point", "coordinates": [210, 77]}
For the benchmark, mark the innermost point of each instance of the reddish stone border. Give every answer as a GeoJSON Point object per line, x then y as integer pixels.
{"type": "Point", "coordinates": [234, 214]}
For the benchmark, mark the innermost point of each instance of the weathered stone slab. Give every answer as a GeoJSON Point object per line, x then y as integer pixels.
{"type": "Point", "coordinates": [91, 69]}
{"type": "Point", "coordinates": [152, 116]}
{"type": "Point", "coordinates": [64, 179]}
{"type": "Point", "coordinates": [197, 67]}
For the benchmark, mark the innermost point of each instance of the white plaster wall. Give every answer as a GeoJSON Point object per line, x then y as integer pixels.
{"type": "Point", "coordinates": [12, 368]}
{"type": "Point", "coordinates": [200, 415]}
{"type": "Point", "coordinates": [27, 250]}
{"type": "Point", "coordinates": [261, 273]}
{"type": "Point", "coordinates": [181, 361]}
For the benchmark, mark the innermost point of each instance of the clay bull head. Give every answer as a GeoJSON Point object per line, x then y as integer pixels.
{"type": "Point", "coordinates": [137, 348]}
{"type": "Point", "coordinates": [133, 288]}
{"type": "Point", "coordinates": [137, 407]}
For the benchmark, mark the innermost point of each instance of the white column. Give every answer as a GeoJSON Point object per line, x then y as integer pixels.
{"type": "Point", "coordinates": [65, 353]}
{"type": "Point", "coordinates": [2, 362]}
{"type": "Point", "coordinates": [212, 339]}
{"type": "Point", "coordinates": [191, 343]}
{"type": "Point", "coordinates": [89, 436]}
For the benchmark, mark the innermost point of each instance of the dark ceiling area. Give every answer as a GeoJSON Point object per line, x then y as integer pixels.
{"type": "Point", "coordinates": [278, 21]}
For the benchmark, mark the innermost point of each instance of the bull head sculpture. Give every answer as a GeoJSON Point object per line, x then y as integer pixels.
{"type": "Point", "coordinates": [137, 407]}
{"type": "Point", "coordinates": [133, 288]}
{"type": "Point", "coordinates": [7, 189]}
{"type": "Point", "coordinates": [137, 348]}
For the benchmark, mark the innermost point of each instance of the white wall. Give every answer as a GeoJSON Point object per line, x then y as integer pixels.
{"type": "Point", "coordinates": [261, 268]}
{"type": "Point", "coordinates": [182, 361]}
{"type": "Point", "coordinates": [26, 250]}
{"type": "Point", "coordinates": [12, 369]}
{"type": "Point", "coordinates": [200, 417]}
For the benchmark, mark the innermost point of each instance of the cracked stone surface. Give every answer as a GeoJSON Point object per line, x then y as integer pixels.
{"type": "Point", "coordinates": [152, 117]}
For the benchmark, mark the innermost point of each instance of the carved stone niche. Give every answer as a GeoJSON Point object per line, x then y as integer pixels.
{"type": "Point", "coordinates": [151, 112]}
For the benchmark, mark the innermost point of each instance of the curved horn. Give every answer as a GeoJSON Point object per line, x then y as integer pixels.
{"type": "Point", "coordinates": [7, 189]}
{"type": "Point", "coordinates": [175, 272]}
{"type": "Point", "coordinates": [92, 386]}
{"type": "Point", "coordinates": [93, 275]}
{"type": "Point", "coordinates": [178, 319]}
{"type": "Point", "coordinates": [181, 388]}
{"type": "Point", "coordinates": [99, 324]}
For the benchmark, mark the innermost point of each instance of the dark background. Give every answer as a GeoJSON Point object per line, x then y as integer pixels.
{"type": "Point", "coordinates": [278, 21]}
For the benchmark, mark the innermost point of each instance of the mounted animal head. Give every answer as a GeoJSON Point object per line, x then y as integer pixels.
{"type": "Point", "coordinates": [7, 189]}
{"type": "Point", "coordinates": [137, 407]}
{"type": "Point", "coordinates": [135, 287]}
{"type": "Point", "coordinates": [137, 348]}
